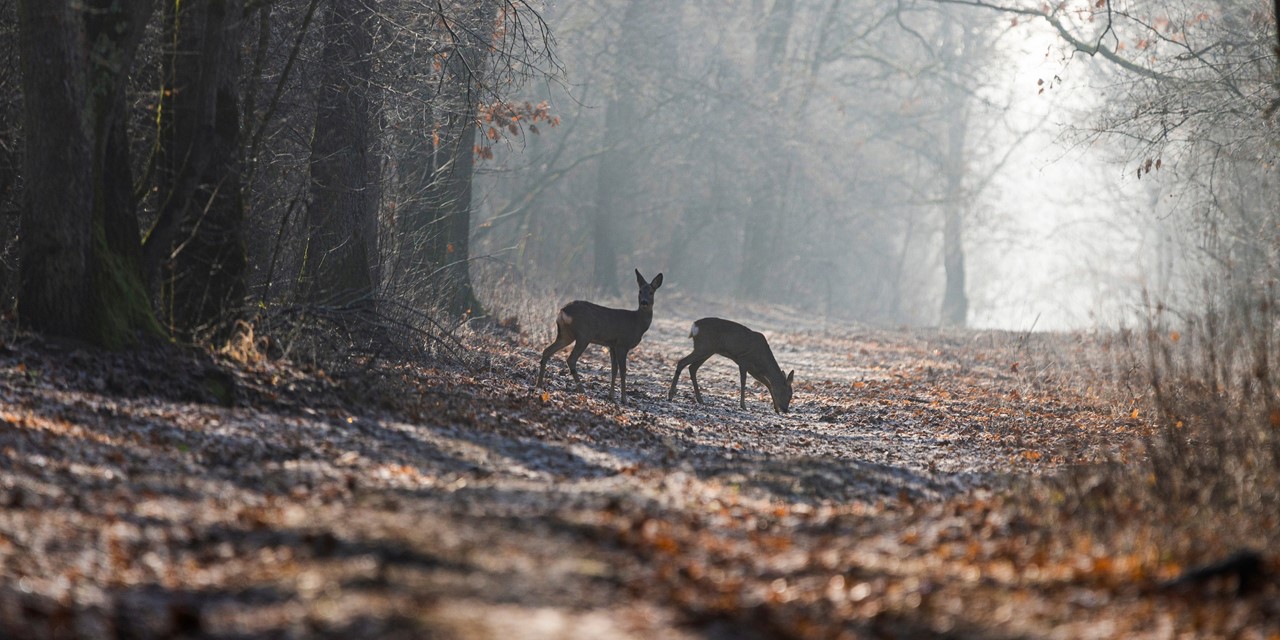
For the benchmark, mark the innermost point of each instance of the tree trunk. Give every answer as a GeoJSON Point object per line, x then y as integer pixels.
{"type": "Point", "coordinates": [79, 257]}
{"type": "Point", "coordinates": [340, 248]}
{"type": "Point", "coordinates": [467, 69]}
{"type": "Point", "coordinates": [418, 215]}
{"type": "Point", "coordinates": [955, 301]}
{"type": "Point", "coordinates": [761, 224]}
{"type": "Point", "coordinates": [436, 231]}
{"type": "Point", "coordinates": [56, 225]}
{"type": "Point", "coordinates": [612, 180]}
{"type": "Point", "coordinates": [198, 241]}
{"type": "Point", "coordinates": [460, 298]}
{"type": "Point", "coordinates": [10, 153]}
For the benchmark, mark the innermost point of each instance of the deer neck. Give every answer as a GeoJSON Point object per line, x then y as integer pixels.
{"type": "Point", "coordinates": [645, 315]}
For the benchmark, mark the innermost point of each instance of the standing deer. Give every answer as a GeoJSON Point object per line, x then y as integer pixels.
{"type": "Point", "coordinates": [749, 349]}
{"type": "Point", "coordinates": [619, 330]}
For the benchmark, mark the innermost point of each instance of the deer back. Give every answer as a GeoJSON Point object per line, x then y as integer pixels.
{"type": "Point", "coordinates": [749, 349]}
{"type": "Point", "coordinates": [734, 341]}
{"type": "Point", "coordinates": [606, 326]}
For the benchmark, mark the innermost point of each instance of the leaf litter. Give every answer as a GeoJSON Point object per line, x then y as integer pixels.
{"type": "Point", "coordinates": [162, 492]}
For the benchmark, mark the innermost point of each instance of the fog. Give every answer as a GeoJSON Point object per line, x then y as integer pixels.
{"type": "Point", "coordinates": [913, 163]}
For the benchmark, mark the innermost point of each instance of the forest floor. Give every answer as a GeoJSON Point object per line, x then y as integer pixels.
{"type": "Point", "coordinates": [165, 492]}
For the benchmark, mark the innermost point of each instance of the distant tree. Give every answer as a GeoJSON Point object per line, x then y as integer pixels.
{"type": "Point", "coordinates": [615, 184]}
{"type": "Point", "coordinates": [956, 50]}
{"type": "Point", "coordinates": [771, 174]}
{"type": "Point", "coordinates": [1191, 95]}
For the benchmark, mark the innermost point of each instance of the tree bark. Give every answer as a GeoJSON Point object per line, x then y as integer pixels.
{"type": "Point", "coordinates": [79, 268]}
{"type": "Point", "coordinates": [197, 244]}
{"type": "Point", "coordinates": [340, 248]}
{"type": "Point", "coordinates": [460, 298]}
{"type": "Point", "coordinates": [435, 232]}
{"type": "Point", "coordinates": [468, 71]}
{"type": "Point", "coordinates": [612, 180]}
{"type": "Point", "coordinates": [56, 224]}
{"type": "Point", "coordinates": [955, 301]}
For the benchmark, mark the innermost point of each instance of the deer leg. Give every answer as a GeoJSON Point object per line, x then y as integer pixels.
{"type": "Point", "coordinates": [573, 363]}
{"type": "Point", "coordinates": [622, 368]}
{"type": "Point", "coordinates": [613, 370]}
{"type": "Point", "coordinates": [742, 387]}
{"type": "Point", "coordinates": [693, 363]}
{"type": "Point", "coordinates": [562, 340]}
{"type": "Point", "coordinates": [684, 362]}
{"type": "Point", "coordinates": [693, 375]}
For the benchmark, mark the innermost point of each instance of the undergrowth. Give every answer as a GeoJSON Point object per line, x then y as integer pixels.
{"type": "Point", "coordinates": [1204, 483]}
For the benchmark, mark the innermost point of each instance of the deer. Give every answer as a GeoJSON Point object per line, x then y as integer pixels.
{"type": "Point", "coordinates": [747, 348]}
{"type": "Point", "coordinates": [583, 323]}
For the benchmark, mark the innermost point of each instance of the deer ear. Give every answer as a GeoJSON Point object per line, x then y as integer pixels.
{"type": "Point", "coordinates": [657, 281]}
{"type": "Point", "coordinates": [791, 376]}
{"type": "Point", "coordinates": [639, 278]}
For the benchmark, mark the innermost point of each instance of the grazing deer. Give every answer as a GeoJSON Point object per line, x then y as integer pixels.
{"type": "Point", "coordinates": [619, 330]}
{"type": "Point", "coordinates": [716, 336]}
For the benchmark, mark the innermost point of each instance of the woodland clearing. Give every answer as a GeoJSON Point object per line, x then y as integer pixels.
{"type": "Point", "coordinates": [914, 490]}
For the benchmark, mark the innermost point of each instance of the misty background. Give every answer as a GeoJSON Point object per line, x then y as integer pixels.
{"type": "Point", "coordinates": [917, 163]}
{"type": "Point", "coordinates": [910, 163]}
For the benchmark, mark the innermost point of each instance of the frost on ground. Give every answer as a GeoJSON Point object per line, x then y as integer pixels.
{"type": "Point", "coordinates": [161, 493]}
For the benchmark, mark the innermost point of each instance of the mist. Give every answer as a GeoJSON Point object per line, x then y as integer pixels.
{"type": "Point", "coordinates": [922, 163]}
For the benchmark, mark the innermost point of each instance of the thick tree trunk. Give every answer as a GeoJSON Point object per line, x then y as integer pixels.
{"type": "Point", "coordinates": [955, 302]}
{"type": "Point", "coordinates": [614, 178]}
{"type": "Point", "coordinates": [435, 232]}
{"type": "Point", "coordinates": [340, 249]}
{"type": "Point", "coordinates": [114, 29]}
{"type": "Point", "coordinates": [197, 244]}
{"type": "Point", "coordinates": [467, 70]}
{"type": "Point", "coordinates": [56, 225]}
{"type": "Point", "coordinates": [79, 270]}
{"type": "Point", "coordinates": [419, 215]}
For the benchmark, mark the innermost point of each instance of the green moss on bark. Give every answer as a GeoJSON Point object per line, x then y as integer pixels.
{"type": "Point", "coordinates": [120, 313]}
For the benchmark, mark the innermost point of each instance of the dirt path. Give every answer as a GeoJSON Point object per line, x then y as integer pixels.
{"type": "Point", "coordinates": [412, 502]}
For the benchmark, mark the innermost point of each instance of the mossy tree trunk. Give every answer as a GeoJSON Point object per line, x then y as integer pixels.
{"type": "Point", "coordinates": [80, 274]}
